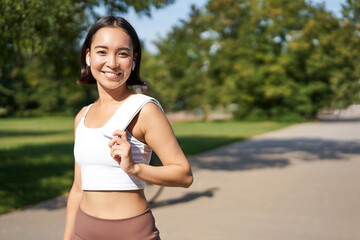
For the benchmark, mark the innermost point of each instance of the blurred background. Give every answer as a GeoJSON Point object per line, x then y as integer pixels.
{"type": "Point", "coordinates": [247, 59]}
{"type": "Point", "coordinates": [275, 62]}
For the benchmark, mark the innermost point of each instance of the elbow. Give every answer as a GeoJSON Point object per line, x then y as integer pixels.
{"type": "Point", "coordinates": [188, 180]}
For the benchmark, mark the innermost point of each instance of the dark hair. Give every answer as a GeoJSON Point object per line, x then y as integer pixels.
{"type": "Point", "coordinates": [110, 21]}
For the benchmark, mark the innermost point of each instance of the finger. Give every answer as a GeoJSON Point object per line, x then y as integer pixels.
{"type": "Point", "coordinates": [114, 141]}
{"type": "Point", "coordinates": [118, 137]}
{"type": "Point", "coordinates": [121, 134]}
{"type": "Point", "coordinates": [116, 153]}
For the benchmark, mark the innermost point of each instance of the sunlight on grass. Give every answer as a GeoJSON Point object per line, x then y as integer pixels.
{"type": "Point", "coordinates": [196, 137]}
{"type": "Point", "coordinates": [15, 132]}
{"type": "Point", "coordinates": [36, 154]}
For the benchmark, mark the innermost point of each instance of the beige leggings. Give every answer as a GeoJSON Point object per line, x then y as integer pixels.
{"type": "Point", "coordinates": [141, 227]}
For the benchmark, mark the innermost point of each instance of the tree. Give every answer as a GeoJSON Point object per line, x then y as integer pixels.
{"type": "Point", "coordinates": [40, 42]}
{"type": "Point", "coordinates": [275, 59]}
{"type": "Point", "coordinates": [184, 57]}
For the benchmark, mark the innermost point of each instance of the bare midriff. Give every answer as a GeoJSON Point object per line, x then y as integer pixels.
{"type": "Point", "coordinates": [114, 204]}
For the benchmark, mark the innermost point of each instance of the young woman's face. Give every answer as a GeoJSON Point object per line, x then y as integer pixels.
{"type": "Point", "coordinates": [110, 57]}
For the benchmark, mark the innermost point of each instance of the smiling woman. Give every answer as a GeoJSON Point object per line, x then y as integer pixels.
{"type": "Point", "coordinates": [114, 140]}
{"type": "Point", "coordinates": [128, 48]}
{"type": "Point", "coordinates": [110, 61]}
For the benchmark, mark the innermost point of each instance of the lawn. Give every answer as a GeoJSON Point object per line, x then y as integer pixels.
{"type": "Point", "coordinates": [36, 154]}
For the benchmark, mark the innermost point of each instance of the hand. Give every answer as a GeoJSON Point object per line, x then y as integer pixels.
{"type": "Point", "coordinates": [121, 151]}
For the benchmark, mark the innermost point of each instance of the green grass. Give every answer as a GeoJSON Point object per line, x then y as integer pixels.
{"type": "Point", "coordinates": [197, 137]}
{"type": "Point", "coordinates": [36, 154]}
{"type": "Point", "coordinates": [36, 160]}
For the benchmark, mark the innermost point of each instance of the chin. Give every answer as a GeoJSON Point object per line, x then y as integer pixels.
{"type": "Point", "coordinates": [112, 84]}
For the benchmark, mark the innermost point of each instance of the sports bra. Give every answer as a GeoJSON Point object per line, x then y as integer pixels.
{"type": "Point", "coordinates": [99, 171]}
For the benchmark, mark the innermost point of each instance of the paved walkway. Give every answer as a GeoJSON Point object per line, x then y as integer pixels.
{"type": "Point", "coordinates": [301, 182]}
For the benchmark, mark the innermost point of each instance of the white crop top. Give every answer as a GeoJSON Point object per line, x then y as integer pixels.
{"type": "Point", "coordinates": [99, 171]}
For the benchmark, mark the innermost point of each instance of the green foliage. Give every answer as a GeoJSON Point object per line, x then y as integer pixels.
{"type": "Point", "coordinates": [114, 6]}
{"type": "Point", "coordinates": [40, 42]}
{"type": "Point", "coordinates": [275, 59]}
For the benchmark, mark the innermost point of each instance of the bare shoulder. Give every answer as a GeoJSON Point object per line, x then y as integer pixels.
{"type": "Point", "coordinates": [151, 115]}
{"type": "Point", "coordinates": [150, 109]}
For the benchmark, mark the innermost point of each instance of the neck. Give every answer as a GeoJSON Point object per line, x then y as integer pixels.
{"type": "Point", "coordinates": [111, 96]}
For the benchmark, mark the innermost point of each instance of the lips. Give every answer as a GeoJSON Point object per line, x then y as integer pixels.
{"type": "Point", "coordinates": [111, 74]}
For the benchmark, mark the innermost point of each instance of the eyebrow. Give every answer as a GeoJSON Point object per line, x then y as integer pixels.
{"type": "Point", "coordinates": [122, 48]}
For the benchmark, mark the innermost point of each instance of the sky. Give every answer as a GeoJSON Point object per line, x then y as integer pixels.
{"type": "Point", "coordinates": [162, 20]}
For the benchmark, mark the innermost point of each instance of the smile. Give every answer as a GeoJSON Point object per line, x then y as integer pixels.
{"type": "Point", "coordinates": [111, 74]}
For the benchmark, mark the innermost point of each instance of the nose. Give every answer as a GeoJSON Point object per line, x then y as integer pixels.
{"type": "Point", "coordinates": [112, 61]}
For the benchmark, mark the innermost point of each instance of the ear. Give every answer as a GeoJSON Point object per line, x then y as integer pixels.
{"type": "Point", "coordinates": [134, 61]}
{"type": "Point", "coordinates": [87, 58]}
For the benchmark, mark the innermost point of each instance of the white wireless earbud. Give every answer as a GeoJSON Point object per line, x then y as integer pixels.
{"type": "Point", "coordinates": [88, 61]}
{"type": "Point", "coordinates": [133, 66]}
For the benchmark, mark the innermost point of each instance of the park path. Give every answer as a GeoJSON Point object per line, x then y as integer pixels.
{"type": "Point", "coordinates": [300, 182]}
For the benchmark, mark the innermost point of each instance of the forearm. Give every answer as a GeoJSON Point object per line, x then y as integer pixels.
{"type": "Point", "coordinates": [170, 175]}
{"type": "Point", "coordinates": [71, 209]}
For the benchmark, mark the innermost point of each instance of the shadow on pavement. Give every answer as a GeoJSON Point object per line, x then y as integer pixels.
{"type": "Point", "coordinates": [60, 202]}
{"type": "Point", "coordinates": [254, 154]}
{"type": "Point", "coordinates": [51, 204]}
{"type": "Point", "coordinates": [186, 198]}
{"type": "Point", "coordinates": [269, 153]}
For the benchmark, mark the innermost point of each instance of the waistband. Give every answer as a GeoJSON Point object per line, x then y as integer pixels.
{"type": "Point", "coordinates": [80, 211]}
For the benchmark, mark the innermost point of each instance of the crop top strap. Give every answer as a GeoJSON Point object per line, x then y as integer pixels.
{"type": "Point", "coordinates": [127, 112]}
{"type": "Point", "coordinates": [86, 111]}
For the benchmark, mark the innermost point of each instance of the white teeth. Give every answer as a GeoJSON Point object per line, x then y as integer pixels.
{"type": "Point", "coordinates": [112, 74]}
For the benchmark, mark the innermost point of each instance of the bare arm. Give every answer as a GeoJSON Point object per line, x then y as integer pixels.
{"type": "Point", "coordinates": [75, 195]}
{"type": "Point", "coordinates": [73, 203]}
{"type": "Point", "coordinates": [158, 134]}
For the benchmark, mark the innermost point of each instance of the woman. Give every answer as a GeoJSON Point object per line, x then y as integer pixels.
{"type": "Point", "coordinates": [107, 198]}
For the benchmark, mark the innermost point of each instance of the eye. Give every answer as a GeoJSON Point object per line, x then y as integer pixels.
{"type": "Point", "coordinates": [101, 52]}
{"type": "Point", "coordinates": [123, 54]}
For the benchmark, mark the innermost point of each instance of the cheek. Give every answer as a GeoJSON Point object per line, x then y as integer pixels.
{"type": "Point", "coordinates": [126, 63]}
{"type": "Point", "coordinates": [97, 62]}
